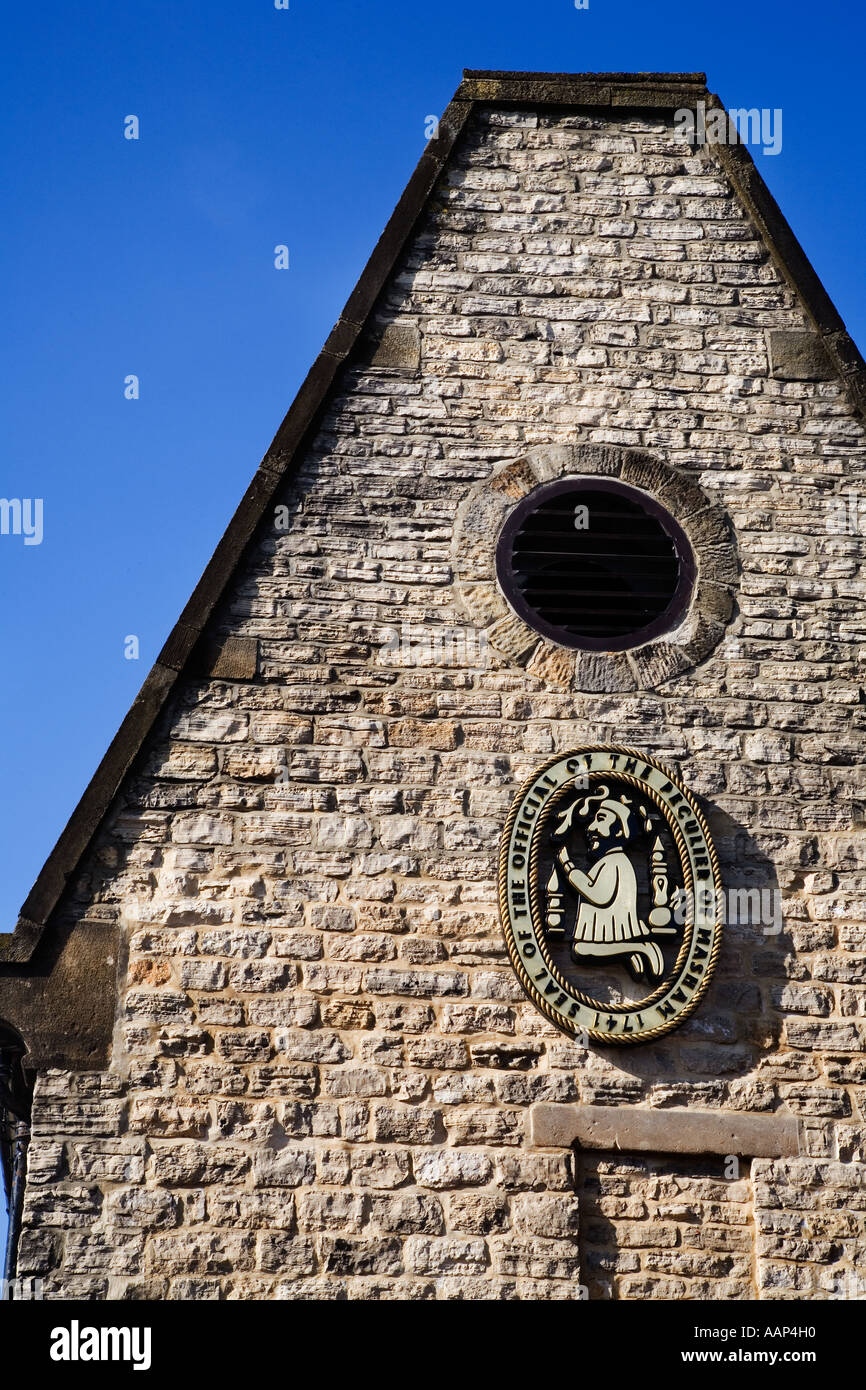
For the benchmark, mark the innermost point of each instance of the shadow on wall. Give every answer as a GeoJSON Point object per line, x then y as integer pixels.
{"type": "Point", "coordinates": [664, 1226]}
{"type": "Point", "coordinates": [711, 1059]}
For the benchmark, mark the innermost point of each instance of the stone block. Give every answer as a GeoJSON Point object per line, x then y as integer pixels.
{"type": "Point", "coordinates": [686, 1131]}
{"type": "Point", "coordinates": [799, 356]}
{"type": "Point", "coordinates": [397, 348]}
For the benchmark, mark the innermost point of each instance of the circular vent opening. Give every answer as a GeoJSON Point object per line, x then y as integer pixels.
{"type": "Point", "coordinates": [596, 564]}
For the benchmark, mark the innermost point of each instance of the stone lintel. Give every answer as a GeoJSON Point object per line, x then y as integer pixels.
{"type": "Point", "coordinates": [631, 1130]}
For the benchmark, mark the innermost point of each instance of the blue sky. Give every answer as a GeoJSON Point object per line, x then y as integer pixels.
{"type": "Point", "coordinates": [261, 126]}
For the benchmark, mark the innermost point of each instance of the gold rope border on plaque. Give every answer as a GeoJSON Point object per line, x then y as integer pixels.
{"type": "Point", "coordinates": [529, 989]}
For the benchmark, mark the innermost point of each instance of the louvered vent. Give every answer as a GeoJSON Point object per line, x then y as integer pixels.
{"type": "Point", "coordinates": [594, 563]}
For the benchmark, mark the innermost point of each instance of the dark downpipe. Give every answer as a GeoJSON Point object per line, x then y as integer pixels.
{"type": "Point", "coordinates": [14, 1139]}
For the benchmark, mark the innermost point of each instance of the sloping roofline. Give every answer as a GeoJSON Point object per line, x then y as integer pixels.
{"type": "Point", "coordinates": [617, 91]}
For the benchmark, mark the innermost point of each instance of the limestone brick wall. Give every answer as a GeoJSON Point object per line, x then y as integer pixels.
{"type": "Point", "coordinates": [322, 1061]}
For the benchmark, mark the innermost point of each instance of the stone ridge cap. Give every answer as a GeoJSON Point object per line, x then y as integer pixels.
{"type": "Point", "coordinates": [301, 421]}
{"type": "Point", "coordinates": [664, 79]}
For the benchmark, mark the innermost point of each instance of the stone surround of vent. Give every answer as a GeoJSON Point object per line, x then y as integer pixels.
{"type": "Point", "coordinates": [680, 637]}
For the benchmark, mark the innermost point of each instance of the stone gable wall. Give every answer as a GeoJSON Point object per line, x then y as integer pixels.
{"type": "Point", "coordinates": [322, 1060]}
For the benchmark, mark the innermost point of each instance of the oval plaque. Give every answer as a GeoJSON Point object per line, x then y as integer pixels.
{"type": "Point", "coordinates": [609, 895]}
